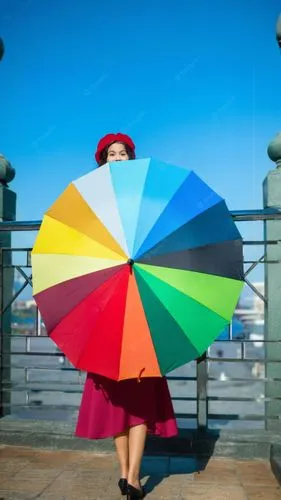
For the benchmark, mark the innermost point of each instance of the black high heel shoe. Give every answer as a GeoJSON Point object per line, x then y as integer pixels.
{"type": "Point", "coordinates": [134, 493]}
{"type": "Point", "coordinates": [123, 485]}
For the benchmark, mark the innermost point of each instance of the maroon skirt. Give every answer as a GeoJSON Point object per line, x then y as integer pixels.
{"type": "Point", "coordinates": [109, 408]}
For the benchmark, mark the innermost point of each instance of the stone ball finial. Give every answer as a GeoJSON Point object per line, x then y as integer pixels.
{"type": "Point", "coordinates": [2, 49]}
{"type": "Point", "coordinates": [278, 31]}
{"type": "Point", "coordinates": [274, 150]}
{"type": "Point", "coordinates": [7, 172]}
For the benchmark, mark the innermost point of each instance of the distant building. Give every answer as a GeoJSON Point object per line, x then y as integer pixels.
{"type": "Point", "coordinates": [23, 305]}
{"type": "Point", "coordinates": [255, 311]}
{"type": "Point", "coordinates": [258, 304]}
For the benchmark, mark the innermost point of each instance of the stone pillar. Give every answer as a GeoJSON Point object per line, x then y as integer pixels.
{"type": "Point", "coordinates": [272, 231]}
{"type": "Point", "coordinates": [7, 213]}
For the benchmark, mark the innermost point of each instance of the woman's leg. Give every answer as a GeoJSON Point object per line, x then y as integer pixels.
{"type": "Point", "coordinates": [137, 437]}
{"type": "Point", "coordinates": [122, 448]}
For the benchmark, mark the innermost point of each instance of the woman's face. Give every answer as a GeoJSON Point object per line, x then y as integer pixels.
{"type": "Point", "coordinates": [117, 152]}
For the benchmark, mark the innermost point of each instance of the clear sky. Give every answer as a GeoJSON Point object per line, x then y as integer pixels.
{"type": "Point", "coordinates": [194, 83]}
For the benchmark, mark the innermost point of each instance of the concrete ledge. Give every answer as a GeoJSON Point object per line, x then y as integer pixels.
{"type": "Point", "coordinates": [275, 461]}
{"type": "Point", "coordinates": [59, 435]}
{"type": "Point", "coordinates": [48, 434]}
{"type": "Point", "coordinates": [243, 445]}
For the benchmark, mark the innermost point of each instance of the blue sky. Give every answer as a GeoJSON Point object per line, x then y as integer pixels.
{"type": "Point", "coordinates": [194, 83]}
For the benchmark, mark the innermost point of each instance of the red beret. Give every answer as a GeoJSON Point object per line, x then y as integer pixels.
{"type": "Point", "coordinates": [109, 139]}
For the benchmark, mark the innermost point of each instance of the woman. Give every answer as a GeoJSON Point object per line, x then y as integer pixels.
{"type": "Point", "coordinates": [129, 409]}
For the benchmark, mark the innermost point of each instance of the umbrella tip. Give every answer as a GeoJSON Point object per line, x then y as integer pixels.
{"type": "Point", "coordinates": [130, 262]}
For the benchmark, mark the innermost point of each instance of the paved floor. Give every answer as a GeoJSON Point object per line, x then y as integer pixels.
{"type": "Point", "coordinates": [27, 473]}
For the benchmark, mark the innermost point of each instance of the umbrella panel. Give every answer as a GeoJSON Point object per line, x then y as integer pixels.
{"type": "Point", "coordinates": [191, 199]}
{"type": "Point", "coordinates": [83, 219]}
{"type": "Point", "coordinates": [58, 301]}
{"type": "Point", "coordinates": [214, 292]}
{"type": "Point", "coordinates": [138, 358]}
{"type": "Point", "coordinates": [221, 259]}
{"type": "Point", "coordinates": [213, 226]}
{"type": "Point", "coordinates": [181, 328]}
{"type": "Point", "coordinates": [58, 238]}
{"type": "Point", "coordinates": [86, 335]}
{"type": "Point", "coordinates": [97, 190]}
{"type": "Point", "coordinates": [162, 182]}
{"type": "Point", "coordinates": [52, 269]}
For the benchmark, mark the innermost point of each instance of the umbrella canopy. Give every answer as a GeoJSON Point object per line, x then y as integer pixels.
{"type": "Point", "coordinates": [137, 268]}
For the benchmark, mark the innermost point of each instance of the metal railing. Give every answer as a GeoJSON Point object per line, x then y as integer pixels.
{"type": "Point", "coordinates": [37, 379]}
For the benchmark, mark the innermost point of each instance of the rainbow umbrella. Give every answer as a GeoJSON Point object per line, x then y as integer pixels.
{"type": "Point", "coordinates": [137, 268]}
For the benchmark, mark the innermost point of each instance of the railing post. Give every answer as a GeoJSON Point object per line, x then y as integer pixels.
{"type": "Point", "coordinates": [272, 325]}
{"type": "Point", "coordinates": [7, 213]}
{"type": "Point", "coordinates": [202, 401]}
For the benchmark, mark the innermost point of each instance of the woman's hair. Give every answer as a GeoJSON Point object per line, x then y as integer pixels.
{"type": "Point", "coordinates": [104, 153]}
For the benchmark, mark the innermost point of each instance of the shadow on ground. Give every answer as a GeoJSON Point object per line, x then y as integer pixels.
{"type": "Point", "coordinates": [156, 469]}
{"type": "Point", "coordinates": [187, 454]}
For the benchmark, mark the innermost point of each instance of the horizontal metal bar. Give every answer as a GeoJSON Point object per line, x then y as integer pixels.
{"type": "Point", "coordinates": [241, 381]}
{"type": "Point", "coordinates": [245, 360]}
{"type": "Point", "coordinates": [184, 416]}
{"type": "Point", "coordinates": [20, 225]}
{"type": "Point", "coordinates": [245, 242]}
{"type": "Point", "coordinates": [248, 341]}
{"type": "Point", "coordinates": [26, 265]}
{"type": "Point", "coordinates": [238, 215]}
{"type": "Point", "coordinates": [213, 360]}
{"type": "Point", "coordinates": [41, 391]}
{"type": "Point", "coordinates": [39, 354]}
{"type": "Point", "coordinates": [41, 407]}
{"type": "Point", "coordinates": [40, 368]}
{"type": "Point", "coordinates": [30, 390]}
{"type": "Point", "coordinates": [59, 354]}
{"type": "Point", "coordinates": [237, 381]}
{"type": "Point", "coordinates": [230, 380]}
{"type": "Point", "coordinates": [17, 249]}
{"type": "Point", "coordinates": [218, 360]}
{"type": "Point", "coordinates": [14, 266]}
{"type": "Point", "coordinates": [255, 215]}
{"type": "Point", "coordinates": [38, 385]}
{"type": "Point", "coordinates": [31, 336]}
{"type": "Point", "coordinates": [241, 399]}
{"type": "Point", "coordinates": [184, 398]}
{"type": "Point", "coordinates": [65, 390]}
{"type": "Point", "coordinates": [230, 417]}
{"type": "Point", "coordinates": [35, 353]}
{"type": "Point", "coordinates": [265, 261]}
{"type": "Point", "coordinates": [190, 379]}
{"type": "Point", "coordinates": [261, 242]}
